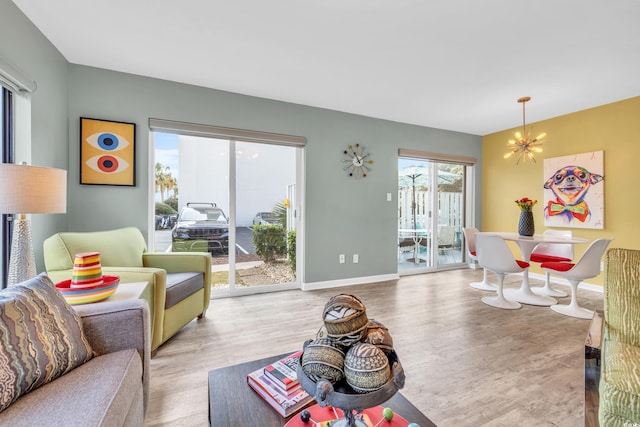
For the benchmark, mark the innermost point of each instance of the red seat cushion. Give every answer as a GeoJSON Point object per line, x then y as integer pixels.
{"type": "Point", "coordinates": [558, 266]}
{"type": "Point", "coordinates": [473, 253]}
{"type": "Point", "coordinates": [548, 258]}
{"type": "Point", "coordinates": [522, 264]}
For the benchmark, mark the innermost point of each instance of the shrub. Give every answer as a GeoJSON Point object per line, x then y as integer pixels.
{"type": "Point", "coordinates": [173, 202]}
{"type": "Point", "coordinates": [291, 250]}
{"type": "Point", "coordinates": [164, 209]}
{"type": "Point", "coordinates": [279, 213]}
{"type": "Point", "coordinates": [270, 241]}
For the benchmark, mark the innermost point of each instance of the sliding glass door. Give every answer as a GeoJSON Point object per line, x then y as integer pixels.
{"type": "Point", "coordinates": [431, 214]}
{"type": "Point", "coordinates": [265, 229]}
{"type": "Point", "coordinates": [234, 199]}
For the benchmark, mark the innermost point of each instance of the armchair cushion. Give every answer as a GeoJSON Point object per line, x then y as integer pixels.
{"type": "Point", "coordinates": [41, 338]}
{"type": "Point", "coordinates": [181, 285]}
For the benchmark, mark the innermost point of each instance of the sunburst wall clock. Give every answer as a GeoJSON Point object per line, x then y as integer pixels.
{"type": "Point", "coordinates": [357, 161]}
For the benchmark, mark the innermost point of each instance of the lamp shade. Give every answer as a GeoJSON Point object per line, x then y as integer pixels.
{"type": "Point", "coordinates": [26, 189]}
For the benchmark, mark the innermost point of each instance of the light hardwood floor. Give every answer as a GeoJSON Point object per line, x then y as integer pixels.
{"type": "Point", "coordinates": [466, 364]}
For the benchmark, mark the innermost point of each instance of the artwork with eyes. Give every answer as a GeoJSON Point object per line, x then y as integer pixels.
{"type": "Point", "coordinates": [107, 152]}
{"type": "Point", "coordinates": [574, 191]}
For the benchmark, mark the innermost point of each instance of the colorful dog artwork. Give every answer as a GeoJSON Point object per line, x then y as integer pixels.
{"type": "Point", "coordinates": [573, 197]}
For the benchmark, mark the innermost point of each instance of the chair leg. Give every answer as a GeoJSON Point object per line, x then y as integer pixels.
{"type": "Point", "coordinates": [547, 290]}
{"type": "Point", "coordinates": [499, 301]}
{"type": "Point", "coordinates": [573, 309]}
{"type": "Point", "coordinates": [484, 285]}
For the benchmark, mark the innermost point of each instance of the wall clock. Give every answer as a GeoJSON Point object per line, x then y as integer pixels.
{"type": "Point", "coordinates": [357, 161]}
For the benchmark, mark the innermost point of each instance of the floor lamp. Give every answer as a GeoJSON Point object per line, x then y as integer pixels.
{"type": "Point", "coordinates": [26, 190]}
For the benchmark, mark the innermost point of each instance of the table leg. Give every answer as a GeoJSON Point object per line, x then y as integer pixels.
{"type": "Point", "coordinates": [416, 251]}
{"type": "Point", "coordinates": [524, 293]}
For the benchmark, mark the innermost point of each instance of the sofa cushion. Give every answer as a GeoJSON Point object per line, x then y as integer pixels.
{"type": "Point", "coordinates": [181, 285]}
{"type": "Point", "coordinates": [41, 338]}
{"type": "Point", "coordinates": [106, 391]}
{"type": "Point", "coordinates": [620, 382]}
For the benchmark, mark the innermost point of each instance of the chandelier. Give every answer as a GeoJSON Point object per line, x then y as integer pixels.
{"type": "Point", "coordinates": [523, 145]}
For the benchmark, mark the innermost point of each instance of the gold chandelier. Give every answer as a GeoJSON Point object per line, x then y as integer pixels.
{"type": "Point", "coordinates": [524, 146]}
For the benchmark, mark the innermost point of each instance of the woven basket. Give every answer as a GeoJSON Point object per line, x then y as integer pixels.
{"type": "Point", "coordinates": [323, 358]}
{"type": "Point", "coordinates": [378, 335]}
{"type": "Point", "coordinates": [345, 319]}
{"type": "Point", "coordinates": [366, 368]}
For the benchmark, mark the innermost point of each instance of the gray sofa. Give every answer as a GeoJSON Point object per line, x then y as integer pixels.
{"type": "Point", "coordinates": [111, 389]}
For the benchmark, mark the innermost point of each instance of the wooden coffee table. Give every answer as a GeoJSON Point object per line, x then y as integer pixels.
{"type": "Point", "coordinates": [233, 403]}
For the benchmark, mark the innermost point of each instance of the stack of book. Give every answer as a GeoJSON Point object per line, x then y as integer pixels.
{"type": "Point", "coordinates": [278, 385]}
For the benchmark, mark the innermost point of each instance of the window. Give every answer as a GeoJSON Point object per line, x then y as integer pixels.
{"type": "Point", "coordinates": [15, 107]}
{"type": "Point", "coordinates": [6, 135]}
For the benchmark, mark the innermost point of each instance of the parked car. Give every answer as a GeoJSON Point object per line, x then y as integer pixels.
{"type": "Point", "coordinates": [264, 218]}
{"type": "Point", "coordinates": [159, 220]}
{"type": "Point", "coordinates": [201, 227]}
{"type": "Point", "coordinates": [165, 221]}
{"type": "Point", "coordinates": [173, 218]}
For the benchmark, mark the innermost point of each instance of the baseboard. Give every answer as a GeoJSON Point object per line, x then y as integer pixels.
{"type": "Point", "coordinates": [563, 282]}
{"type": "Point", "coordinates": [312, 286]}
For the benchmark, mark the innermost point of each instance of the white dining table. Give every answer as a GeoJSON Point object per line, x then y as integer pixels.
{"type": "Point", "coordinates": [527, 244]}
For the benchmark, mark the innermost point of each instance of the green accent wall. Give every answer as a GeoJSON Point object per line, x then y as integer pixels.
{"type": "Point", "coordinates": [342, 215]}
{"type": "Point", "coordinates": [26, 48]}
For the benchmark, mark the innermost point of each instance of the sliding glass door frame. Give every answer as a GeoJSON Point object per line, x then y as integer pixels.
{"type": "Point", "coordinates": [157, 125]}
{"type": "Point", "coordinates": [432, 215]}
{"type": "Point", "coordinates": [6, 137]}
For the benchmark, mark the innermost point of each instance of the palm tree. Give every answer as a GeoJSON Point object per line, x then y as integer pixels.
{"type": "Point", "coordinates": [161, 173]}
{"type": "Point", "coordinates": [171, 184]}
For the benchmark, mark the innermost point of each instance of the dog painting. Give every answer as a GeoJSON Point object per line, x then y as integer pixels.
{"type": "Point", "coordinates": [574, 195]}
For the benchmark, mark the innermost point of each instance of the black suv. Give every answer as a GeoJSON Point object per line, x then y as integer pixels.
{"type": "Point", "coordinates": [201, 227]}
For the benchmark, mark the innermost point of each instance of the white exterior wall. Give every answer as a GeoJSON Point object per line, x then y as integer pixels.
{"type": "Point", "coordinates": [263, 174]}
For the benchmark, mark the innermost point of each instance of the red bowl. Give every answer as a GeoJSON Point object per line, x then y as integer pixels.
{"type": "Point", "coordinates": [91, 294]}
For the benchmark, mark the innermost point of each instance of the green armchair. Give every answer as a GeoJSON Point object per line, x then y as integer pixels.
{"type": "Point", "coordinates": [619, 400]}
{"type": "Point", "coordinates": [179, 283]}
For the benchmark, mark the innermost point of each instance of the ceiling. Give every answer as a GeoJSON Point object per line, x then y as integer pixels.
{"type": "Point", "coordinates": [457, 65]}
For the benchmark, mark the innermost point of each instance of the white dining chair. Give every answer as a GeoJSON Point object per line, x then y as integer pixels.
{"type": "Point", "coordinates": [470, 243]}
{"type": "Point", "coordinates": [587, 267]}
{"type": "Point", "coordinates": [552, 252]}
{"type": "Point", "coordinates": [495, 255]}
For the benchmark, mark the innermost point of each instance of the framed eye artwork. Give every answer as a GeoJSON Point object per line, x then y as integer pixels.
{"type": "Point", "coordinates": [107, 152]}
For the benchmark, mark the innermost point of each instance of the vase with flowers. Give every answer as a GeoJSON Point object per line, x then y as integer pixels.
{"type": "Point", "coordinates": [526, 226]}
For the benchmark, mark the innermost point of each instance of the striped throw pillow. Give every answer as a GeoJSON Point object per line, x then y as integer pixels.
{"type": "Point", "coordinates": [41, 338]}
